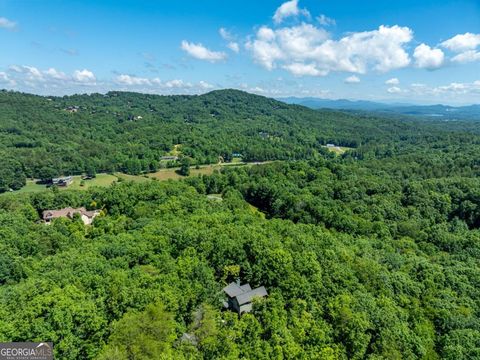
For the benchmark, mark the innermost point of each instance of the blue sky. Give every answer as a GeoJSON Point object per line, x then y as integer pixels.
{"type": "Point", "coordinates": [421, 51]}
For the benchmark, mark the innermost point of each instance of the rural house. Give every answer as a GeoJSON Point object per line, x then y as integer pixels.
{"type": "Point", "coordinates": [62, 181]}
{"type": "Point", "coordinates": [86, 216]}
{"type": "Point", "coordinates": [240, 297]}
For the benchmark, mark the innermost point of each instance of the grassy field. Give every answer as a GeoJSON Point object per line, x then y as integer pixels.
{"type": "Point", "coordinates": [100, 180]}
{"type": "Point", "coordinates": [134, 178]}
{"type": "Point", "coordinates": [31, 186]}
{"type": "Point", "coordinates": [171, 174]}
{"type": "Point", "coordinates": [104, 180]}
{"type": "Point", "coordinates": [339, 150]}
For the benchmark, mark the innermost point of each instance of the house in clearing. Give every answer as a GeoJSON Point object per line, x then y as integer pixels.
{"type": "Point", "coordinates": [86, 216]}
{"type": "Point", "coordinates": [240, 297]}
{"type": "Point", "coordinates": [62, 181]}
{"type": "Point", "coordinates": [72, 109]}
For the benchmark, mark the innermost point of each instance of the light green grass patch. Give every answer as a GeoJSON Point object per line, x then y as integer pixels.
{"type": "Point", "coordinates": [339, 150]}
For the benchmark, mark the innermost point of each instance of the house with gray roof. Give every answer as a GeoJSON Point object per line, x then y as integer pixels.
{"type": "Point", "coordinates": [240, 297]}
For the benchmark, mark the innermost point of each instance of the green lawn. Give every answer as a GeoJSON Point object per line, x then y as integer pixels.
{"type": "Point", "coordinates": [99, 180]}
{"type": "Point", "coordinates": [134, 178]}
{"type": "Point", "coordinates": [104, 180]}
{"type": "Point", "coordinates": [31, 186]}
{"type": "Point", "coordinates": [339, 150]}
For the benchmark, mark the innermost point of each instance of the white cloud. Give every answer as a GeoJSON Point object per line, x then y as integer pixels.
{"type": "Point", "coordinates": [288, 9]}
{"type": "Point", "coordinates": [301, 69]}
{"type": "Point", "coordinates": [258, 90]}
{"type": "Point", "coordinates": [233, 46]}
{"type": "Point", "coordinates": [455, 91]}
{"type": "Point", "coordinates": [30, 73]}
{"type": "Point", "coordinates": [5, 79]}
{"type": "Point", "coordinates": [428, 58]}
{"type": "Point", "coordinates": [135, 80]}
{"type": "Point", "coordinates": [467, 56]}
{"type": "Point", "coordinates": [352, 80]}
{"type": "Point", "coordinates": [84, 76]}
{"type": "Point", "coordinates": [462, 42]}
{"type": "Point", "coordinates": [392, 81]}
{"type": "Point", "coordinates": [458, 88]}
{"type": "Point", "coordinates": [55, 74]}
{"type": "Point", "coordinates": [225, 34]}
{"type": "Point", "coordinates": [205, 85]}
{"type": "Point", "coordinates": [325, 20]}
{"type": "Point", "coordinates": [176, 83]}
{"type": "Point", "coordinates": [7, 24]}
{"type": "Point", "coordinates": [32, 77]}
{"type": "Point", "coordinates": [380, 50]}
{"type": "Point", "coordinates": [155, 85]}
{"type": "Point", "coordinates": [394, 90]}
{"type": "Point", "coordinates": [200, 52]}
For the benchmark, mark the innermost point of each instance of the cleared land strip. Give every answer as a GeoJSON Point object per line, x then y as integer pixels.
{"type": "Point", "coordinates": [104, 179]}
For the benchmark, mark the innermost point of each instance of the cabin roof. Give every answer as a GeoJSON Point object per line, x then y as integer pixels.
{"type": "Point", "coordinates": [248, 296]}
{"type": "Point", "coordinates": [233, 289]}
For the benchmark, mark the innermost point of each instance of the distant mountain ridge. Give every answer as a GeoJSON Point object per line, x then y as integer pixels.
{"type": "Point", "coordinates": [438, 111]}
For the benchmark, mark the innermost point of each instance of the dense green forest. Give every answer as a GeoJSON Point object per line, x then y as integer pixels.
{"type": "Point", "coordinates": [45, 137]}
{"type": "Point", "coordinates": [374, 254]}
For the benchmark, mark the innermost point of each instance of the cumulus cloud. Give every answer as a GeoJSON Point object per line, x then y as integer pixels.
{"type": "Point", "coordinates": [84, 76]}
{"type": "Point", "coordinates": [55, 74]}
{"type": "Point", "coordinates": [394, 90]}
{"type": "Point", "coordinates": [6, 80]}
{"type": "Point", "coordinates": [152, 84]}
{"type": "Point", "coordinates": [301, 69]}
{"type": "Point", "coordinates": [135, 80]}
{"type": "Point", "coordinates": [381, 49]}
{"type": "Point", "coordinates": [205, 85]}
{"type": "Point", "coordinates": [428, 58]}
{"type": "Point", "coordinates": [30, 72]}
{"type": "Point", "coordinates": [458, 88]}
{"type": "Point", "coordinates": [288, 9]}
{"type": "Point", "coordinates": [177, 83]}
{"type": "Point", "coordinates": [233, 46]}
{"type": "Point", "coordinates": [392, 81]}
{"type": "Point", "coordinates": [200, 52]}
{"type": "Point", "coordinates": [467, 56]}
{"type": "Point", "coordinates": [462, 42]}
{"type": "Point", "coordinates": [228, 36]}
{"type": "Point", "coordinates": [7, 24]}
{"type": "Point", "coordinates": [225, 34]}
{"type": "Point", "coordinates": [352, 80]}
{"type": "Point", "coordinates": [462, 92]}
{"type": "Point", "coordinates": [324, 20]}
{"type": "Point", "coordinates": [32, 77]}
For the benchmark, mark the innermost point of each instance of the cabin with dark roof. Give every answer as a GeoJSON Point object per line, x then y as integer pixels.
{"type": "Point", "coordinates": [240, 297]}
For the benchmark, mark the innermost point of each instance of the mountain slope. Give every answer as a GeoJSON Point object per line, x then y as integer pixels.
{"type": "Point", "coordinates": [438, 111]}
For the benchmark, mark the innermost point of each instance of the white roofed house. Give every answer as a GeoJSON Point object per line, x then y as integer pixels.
{"type": "Point", "coordinates": [62, 181]}
{"type": "Point", "coordinates": [240, 297]}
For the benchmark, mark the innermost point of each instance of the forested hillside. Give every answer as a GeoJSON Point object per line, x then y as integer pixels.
{"type": "Point", "coordinates": [45, 137]}
{"type": "Point", "coordinates": [373, 254]}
